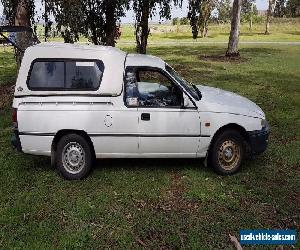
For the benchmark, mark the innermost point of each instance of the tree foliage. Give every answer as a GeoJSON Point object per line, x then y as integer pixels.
{"type": "Point", "coordinates": [249, 12]}
{"type": "Point", "coordinates": [224, 10]}
{"type": "Point", "coordinates": [199, 14]}
{"type": "Point", "coordinates": [180, 21]}
{"type": "Point", "coordinates": [279, 10]}
{"type": "Point", "coordinates": [95, 19]}
{"type": "Point", "coordinates": [248, 8]}
{"type": "Point", "coordinates": [293, 8]}
{"type": "Point", "coordinates": [144, 10]}
{"type": "Point", "coordinates": [21, 13]}
{"type": "Point", "coordinates": [10, 10]}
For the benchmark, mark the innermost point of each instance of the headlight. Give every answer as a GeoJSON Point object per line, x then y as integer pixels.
{"type": "Point", "coordinates": [264, 123]}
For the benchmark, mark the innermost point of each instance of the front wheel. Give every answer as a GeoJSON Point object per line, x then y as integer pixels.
{"type": "Point", "coordinates": [227, 152]}
{"type": "Point", "coordinates": [74, 157]}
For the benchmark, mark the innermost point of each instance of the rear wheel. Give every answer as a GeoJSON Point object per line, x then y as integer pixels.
{"type": "Point", "coordinates": [73, 157]}
{"type": "Point", "coordinates": [227, 152]}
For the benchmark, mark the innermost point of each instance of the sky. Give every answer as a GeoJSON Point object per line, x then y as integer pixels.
{"type": "Point", "coordinates": [176, 12]}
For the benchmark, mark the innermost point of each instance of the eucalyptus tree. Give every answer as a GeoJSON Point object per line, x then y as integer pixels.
{"type": "Point", "coordinates": [248, 11]}
{"type": "Point", "coordinates": [20, 13]}
{"type": "Point", "coordinates": [144, 10]}
{"type": "Point", "coordinates": [270, 11]}
{"type": "Point", "coordinates": [233, 42]}
{"type": "Point", "coordinates": [292, 8]}
{"type": "Point", "coordinates": [94, 19]}
{"type": "Point", "coordinates": [224, 10]}
{"type": "Point", "coordinates": [199, 14]}
{"type": "Point", "coordinates": [280, 9]}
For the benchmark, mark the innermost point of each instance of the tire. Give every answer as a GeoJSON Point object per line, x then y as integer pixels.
{"type": "Point", "coordinates": [74, 157]}
{"type": "Point", "coordinates": [227, 152]}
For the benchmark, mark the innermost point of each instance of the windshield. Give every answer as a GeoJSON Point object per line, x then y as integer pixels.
{"type": "Point", "coordinates": [186, 85]}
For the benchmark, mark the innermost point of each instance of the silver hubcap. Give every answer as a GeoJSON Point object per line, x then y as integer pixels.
{"type": "Point", "coordinates": [228, 153]}
{"type": "Point", "coordinates": [73, 157]}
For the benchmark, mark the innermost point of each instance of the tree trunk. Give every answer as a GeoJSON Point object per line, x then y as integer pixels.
{"type": "Point", "coordinates": [251, 18]}
{"type": "Point", "coordinates": [110, 28]}
{"type": "Point", "coordinates": [23, 39]}
{"type": "Point", "coordinates": [46, 21]}
{"type": "Point", "coordinates": [205, 28]}
{"type": "Point", "coordinates": [269, 14]}
{"type": "Point", "coordinates": [233, 43]}
{"type": "Point", "coordinates": [142, 29]}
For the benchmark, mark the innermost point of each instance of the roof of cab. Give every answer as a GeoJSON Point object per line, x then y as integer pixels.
{"type": "Point", "coordinates": [137, 60]}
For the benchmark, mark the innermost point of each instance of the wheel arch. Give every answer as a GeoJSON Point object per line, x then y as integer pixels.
{"type": "Point", "coordinates": [232, 126]}
{"type": "Point", "coordinates": [64, 132]}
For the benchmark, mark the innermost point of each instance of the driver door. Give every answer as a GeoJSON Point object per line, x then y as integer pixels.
{"type": "Point", "coordinates": [165, 128]}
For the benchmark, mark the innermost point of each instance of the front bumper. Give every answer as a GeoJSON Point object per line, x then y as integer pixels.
{"type": "Point", "coordinates": [258, 140]}
{"type": "Point", "coordinates": [15, 141]}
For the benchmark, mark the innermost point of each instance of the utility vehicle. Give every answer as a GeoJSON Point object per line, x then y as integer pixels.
{"type": "Point", "coordinates": [76, 103]}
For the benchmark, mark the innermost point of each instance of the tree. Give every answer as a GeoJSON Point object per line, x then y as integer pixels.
{"type": "Point", "coordinates": [184, 21]}
{"type": "Point", "coordinates": [248, 11]}
{"type": "Point", "coordinates": [293, 8]}
{"type": "Point", "coordinates": [279, 10]}
{"type": "Point", "coordinates": [176, 21]}
{"type": "Point", "coordinates": [199, 14]}
{"type": "Point", "coordinates": [48, 22]}
{"type": "Point", "coordinates": [20, 13]}
{"type": "Point", "coordinates": [95, 19]}
{"type": "Point", "coordinates": [224, 10]}
{"type": "Point", "coordinates": [269, 15]}
{"type": "Point", "coordinates": [206, 9]}
{"type": "Point", "coordinates": [233, 50]}
{"type": "Point", "coordinates": [113, 11]}
{"type": "Point", "coordinates": [145, 9]}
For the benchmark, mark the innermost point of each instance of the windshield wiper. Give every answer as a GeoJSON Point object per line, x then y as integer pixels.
{"type": "Point", "coordinates": [197, 91]}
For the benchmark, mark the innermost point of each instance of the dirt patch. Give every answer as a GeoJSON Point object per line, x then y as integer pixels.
{"type": "Point", "coordinates": [6, 95]}
{"type": "Point", "coordinates": [223, 58]}
{"type": "Point", "coordinates": [172, 199]}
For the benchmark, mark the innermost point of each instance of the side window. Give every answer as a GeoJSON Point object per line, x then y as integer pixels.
{"type": "Point", "coordinates": [66, 75]}
{"type": "Point", "coordinates": [47, 75]}
{"type": "Point", "coordinates": [153, 77]}
{"type": "Point", "coordinates": [151, 88]}
{"type": "Point", "coordinates": [83, 75]}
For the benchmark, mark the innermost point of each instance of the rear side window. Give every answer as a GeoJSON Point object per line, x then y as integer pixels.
{"type": "Point", "coordinates": [62, 75]}
{"type": "Point", "coordinates": [47, 75]}
{"type": "Point", "coordinates": [83, 75]}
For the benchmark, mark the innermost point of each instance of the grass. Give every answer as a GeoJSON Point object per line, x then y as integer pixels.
{"type": "Point", "coordinates": [279, 31]}
{"type": "Point", "coordinates": [164, 203]}
{"type": "Point", "coordinates": [283, 30]}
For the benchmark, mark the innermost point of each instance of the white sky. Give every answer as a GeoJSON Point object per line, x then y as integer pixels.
{"type": "Point", "coordinates": [176, 12]}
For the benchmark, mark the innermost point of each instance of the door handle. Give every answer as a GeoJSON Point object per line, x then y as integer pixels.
{"type": "Point", "coordinates": [145, 116]}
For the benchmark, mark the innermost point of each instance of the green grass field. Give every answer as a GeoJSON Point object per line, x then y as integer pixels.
{"type": "Point", "coordinates": [163, 203]}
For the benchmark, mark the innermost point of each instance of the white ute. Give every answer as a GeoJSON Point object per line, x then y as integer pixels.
{"type": "Point", "coordinates": [80, 102]}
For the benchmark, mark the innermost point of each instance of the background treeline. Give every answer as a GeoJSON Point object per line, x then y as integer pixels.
{"type": "Point", "coordinates": [99, 20]}
{"type": "Point", "coordinates": [221, 12]}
